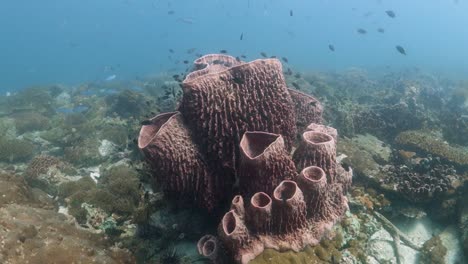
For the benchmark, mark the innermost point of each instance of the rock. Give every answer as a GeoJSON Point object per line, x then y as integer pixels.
{"type": "Point", "coordinates": [379, 151]}
{"type": "Point", "coordinates": [364, 158]}
{"type": "Point", "coordinates": [381, 250]}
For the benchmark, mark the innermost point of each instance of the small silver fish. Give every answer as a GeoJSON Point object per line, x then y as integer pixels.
{"type": "Point", "coordinates": [110, 78]}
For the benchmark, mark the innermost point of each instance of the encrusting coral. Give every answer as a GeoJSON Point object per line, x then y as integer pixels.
{"type": "Point", "coordinates": [234, 134]}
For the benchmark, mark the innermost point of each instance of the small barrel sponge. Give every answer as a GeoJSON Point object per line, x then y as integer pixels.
{"type": "Point", "coordinates": [295, 215]}
{"type": "Point", "coordinates": [234, 235]}
{"type": "Point", "coordinates": [212, 63]}
{"type": "Point", "coordinates": [308, 109]}
{"type": "Point", "coordinates": [166, 139]}
{"type": "Point", "coordinates": [324, 129]}
{"type": "Point", "coordinates": [313, 181]}
{"type": "Point", "coordinates": [264, 163]}
{"type": "Point", "coordinates": [210, 247]}
{"type": "Point", "coordinates": [325, 202]}
{"type": "Point", "coordinates": [317, 149]}
{"type": "Point", "coordinates": [220, 105]}
{"type": "Point", "coordinates": [260, 213]}
{"type": "Point", "coordinates": [289, 208]}
{"type": "Point", "coordinates": [237, 205]}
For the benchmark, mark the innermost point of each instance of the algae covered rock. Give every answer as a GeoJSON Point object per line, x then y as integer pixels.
{"type": "Point", "coordinates": [30, 121]}
{"type": "Point", "coordinates": [117, 192]}
{"type": "Point", "coordinates": [85, 154]}
{"type": "Point", "coordinates": [15, 150]}
{"type": "Point", "coordinates": [363, 157]}
{"type": "Point", "coordinates": [433, 251]}
{"type": "Point", "coordinates": [127, 104]}
{"type": "Point", "coordinates": [36, 98]}
{"type": "Point", "coordinates": [13, 189]}
{"type": "Point", "coordinates": [379, 150]}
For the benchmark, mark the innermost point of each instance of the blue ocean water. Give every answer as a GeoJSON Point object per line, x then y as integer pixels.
{"type": "Point", "coordinates": [74, 41]}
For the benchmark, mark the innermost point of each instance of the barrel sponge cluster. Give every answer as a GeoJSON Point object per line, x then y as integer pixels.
{"type": "Point", "coordinates": [242, 136]}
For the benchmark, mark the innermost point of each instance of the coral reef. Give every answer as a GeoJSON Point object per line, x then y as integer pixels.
{"type": "Point", "coordinates": [40, 164]}
{"type": "Point", "coordinates": [236, 155]}
{"type": "Point", "coordinates": [38, 99]}
{"type": "Point", "coordinates": [30, 121]}
{"type": "Point", "coordinates": [15, 190]}
{"type": "Point", "coordinates": [127, 103]}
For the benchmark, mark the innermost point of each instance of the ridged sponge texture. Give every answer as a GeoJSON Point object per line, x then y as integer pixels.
{"type": "Point", "coordinates": [176, 161]}
{"type": "Point", "coordinates": [220, 105]}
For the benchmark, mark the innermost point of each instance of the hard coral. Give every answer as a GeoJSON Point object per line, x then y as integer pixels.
{"type": "Point", "coordinates": [430, 143]}
{"type": "Point", "coordinates": [40, 164]}
{"type": "Point", "coordinates": [422, 182]}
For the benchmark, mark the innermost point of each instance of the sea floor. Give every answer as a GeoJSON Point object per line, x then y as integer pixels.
{"type": "Point", "coordinates": [74, 187]}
